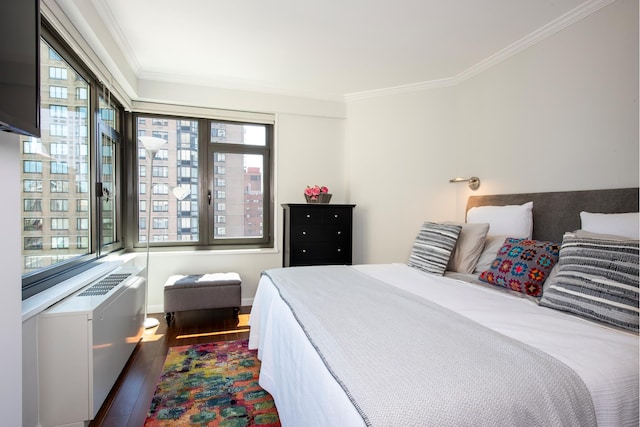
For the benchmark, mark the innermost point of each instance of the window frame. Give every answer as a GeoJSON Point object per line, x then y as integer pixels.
{"type": "Point", "coordinates": [47, 277]}
{"type": "Point", "coordinates": [206, 212]}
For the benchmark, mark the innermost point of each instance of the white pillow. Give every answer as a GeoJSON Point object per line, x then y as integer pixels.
{"type": "Point", "coordinates": [619, 224]}
{"type": "Point", "coordinates": [510, 220]}
{"type": "Point", "coordinates": [492, 245]}
{"type": "Point", "coordinates": [468, 247]}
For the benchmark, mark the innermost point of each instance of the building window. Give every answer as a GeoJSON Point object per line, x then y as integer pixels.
{"type": "Point", "coordinates": [59, 205]}
{"type": "Point", "coordinates": [56, 129]}
{"type": "Point", "coordinates": [59, 186]}
{"type": "Point", "coordinates": [59, 111]}
{"type": "Point", "coordinates": [160, 223]}
{"type": "Point", "coordinates": [32, 166]}
{"type": "Point", "coordinates": [161, 206]}
{"type": "Point", "coordinates": [32, 243]}
{"type": "Point", "coordinates": [59, 168]}
{"type": "Point", "coordinates": [32, 205]}
{"type": "Point", "coordinates": [32, 185]}
{"type": "Point", "coordinates": [59, 149]}
{"type": "Point", "coordinates": [82, 187]}
{"type": "Point", "coordinates": [57, 92]}
{"type": "Point", "coordinates": [31, 146]}
{"type": "Point", "coordinates": [57, 73]}
{"type": "Point", "coordinates": [82, 242]}
{"type": "Point", "coordinates": [81, 93]}
{"type": "Point", "coordinates": [60, 242]}
{"type": "Point", "coordinates": [32, 224]}
{"type": "Point", "coordinates": [59, 223]}
{"type": "Point", "coordinates": [161, 171]}
{"type": "Point", "coordinates": [237, 156]}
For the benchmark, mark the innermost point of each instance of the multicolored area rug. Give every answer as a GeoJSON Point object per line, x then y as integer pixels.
{"type": "Point", "coordinates": [214, 384]}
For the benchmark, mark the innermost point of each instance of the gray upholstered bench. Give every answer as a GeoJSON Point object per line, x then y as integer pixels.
{"type": "Point", "coordinates": [201, 291]}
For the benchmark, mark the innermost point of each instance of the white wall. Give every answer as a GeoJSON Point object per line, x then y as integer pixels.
{"type": "Point", "coordinates": [11, 313]}
{"type": "Point", "coordinates": [570, 102]}
{"type": "Point", "coordinates": [560, 115]}
{"type": "Point", "coordinates": [400, 150]}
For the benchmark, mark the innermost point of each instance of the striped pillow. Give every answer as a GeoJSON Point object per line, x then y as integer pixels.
{"type": "Point", "coordinates": [597, 279]}
{"type": "Point", "coordinates": [433, 246]}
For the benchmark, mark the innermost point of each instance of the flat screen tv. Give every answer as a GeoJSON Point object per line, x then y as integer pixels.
{"type": "Point", "coordinates": [20, 66]}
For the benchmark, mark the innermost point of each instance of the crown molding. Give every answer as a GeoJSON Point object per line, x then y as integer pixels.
{"type": "Point", "coordinates": [584, 10]}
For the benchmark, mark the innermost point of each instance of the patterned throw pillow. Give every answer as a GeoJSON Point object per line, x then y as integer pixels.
{"type": "Point", "coordinates": [433, 246]}
{"type": "Point", "coordinates": [597, 279]}
{"type": "Point", "coordinates": [522, 265]}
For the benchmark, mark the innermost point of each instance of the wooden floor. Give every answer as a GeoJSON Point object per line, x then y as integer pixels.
{"type": "Point", "coordinates": [130, 398]}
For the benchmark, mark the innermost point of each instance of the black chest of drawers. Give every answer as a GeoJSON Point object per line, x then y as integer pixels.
{"type": "Point", "coordinates": [317, 234]}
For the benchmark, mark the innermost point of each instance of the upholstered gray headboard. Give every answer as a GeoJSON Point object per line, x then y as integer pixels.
{"type": "Point", "coordinates": [555, 213]}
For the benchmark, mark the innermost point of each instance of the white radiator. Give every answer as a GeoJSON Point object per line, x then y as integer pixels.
{"type": "Point", "coordinates": [84, 341]}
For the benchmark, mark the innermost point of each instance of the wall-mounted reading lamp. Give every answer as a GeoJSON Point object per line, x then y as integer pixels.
{"type": "Point", "coordinates": [474, 181]}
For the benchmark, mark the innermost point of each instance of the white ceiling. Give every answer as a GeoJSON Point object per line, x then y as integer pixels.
{"type": "Point", "coordinates": [328, 48]}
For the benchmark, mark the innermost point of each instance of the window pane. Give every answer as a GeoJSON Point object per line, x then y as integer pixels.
{"type": "Point", "coordinates": [238, 133]}
{"type": "Point", "coordinates": [174, 195]}
{"type": "Point", "coordinates": [238, 196]}
{"type": "Point", "coordinates": [49, 169]}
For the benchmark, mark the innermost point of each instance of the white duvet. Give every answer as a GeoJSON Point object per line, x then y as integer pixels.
{"type": "Point", "coordinates": [307, 395]}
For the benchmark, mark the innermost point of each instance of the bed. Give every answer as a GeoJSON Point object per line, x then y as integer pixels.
{"type": "Point", "coordinates": [394, 344]}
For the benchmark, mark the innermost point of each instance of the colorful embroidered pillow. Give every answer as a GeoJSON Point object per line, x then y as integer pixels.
{"type": "Point", "coordinates": [522, 265]}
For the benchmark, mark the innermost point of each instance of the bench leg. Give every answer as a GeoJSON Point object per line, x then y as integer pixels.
{"type": "Point", "coordinates": [168, 317]}
{"type": "Point", "coordinates": [236, 311]}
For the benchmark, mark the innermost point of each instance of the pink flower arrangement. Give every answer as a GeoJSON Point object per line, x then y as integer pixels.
{"type": "Point", "coordinates": [315, 191]}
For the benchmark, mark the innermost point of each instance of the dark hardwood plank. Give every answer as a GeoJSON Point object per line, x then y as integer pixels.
{"type": "Point", "coordinates": [130, 398]}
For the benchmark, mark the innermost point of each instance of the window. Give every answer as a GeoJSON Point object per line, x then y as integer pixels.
{"type": "Point", "coordinates": [32, 205]}
{"type": "Point", "coordinates": [81, 93]}
{"type": "Point", "coordinates": [57, 73]}
{"type": "Point", "coordinates": [58, 234]}
{"type": "Point", "coordinates": [160, 222]}
{"type": "Point", "coordinates": [32, 243]}
{"type": "Point", "coordinates": [32, 166]}
{"type": "Point", "coordinates": [60, 242]}
{"type": "Point", "coordinates": [59, 205]}
{"type": "Point", "coordinates": [31, 146]}
{"type": "Point", "coordinates": [59, 186]}
{"type": "Point", "coordinates": [162, 171]}
{"type": "Point", "coordinates": [237, 156]}
{"type": "Point", "coordinates": [59, 149]}
{"type": "Point", "coordinates": [58, 111]}
{"type": "Point", "coordinates": [59, 168]}
{"type": "Point", "coordinates": [57, 92]}
{"type": "Point", "coordinates": [58, 130]}
{"type": "Point", "coordinates": [59, 223]}
{"type": "Point", "coordinates": [32, 224]}
{"type": "Point", "coordinates": [32, 186]}
{"type": "Point", "coordinates": [161, 206]}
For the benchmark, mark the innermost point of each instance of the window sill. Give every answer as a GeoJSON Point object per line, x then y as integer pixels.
{"type": "Point", "coordinates": [36, 304]}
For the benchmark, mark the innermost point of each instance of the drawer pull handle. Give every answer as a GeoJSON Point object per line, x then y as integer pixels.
{"type": "Point", "coordinates": [335, 215]}
{"type": "Point", "coordinates": [304, 251]}
{"type": "Point", "coordinates": [304, 232]}
{"type": "Point", "coordinates": [308, 215]}
{"type": "Point", "coordinates": [339, 250]}
{"type": "Point", "coordinates": [339, 232]}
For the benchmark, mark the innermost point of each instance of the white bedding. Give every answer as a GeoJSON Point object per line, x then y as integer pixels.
{"type": "Point", "coordinates": [306, 394]}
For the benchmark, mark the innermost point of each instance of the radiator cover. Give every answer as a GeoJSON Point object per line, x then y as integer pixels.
{"type": "Point", "coordinates": [84, 342]}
